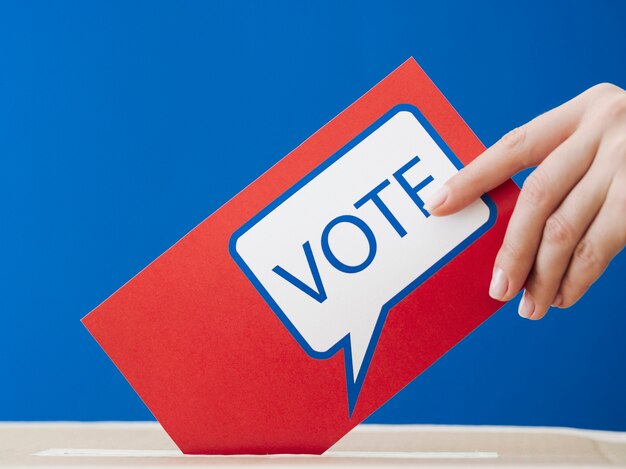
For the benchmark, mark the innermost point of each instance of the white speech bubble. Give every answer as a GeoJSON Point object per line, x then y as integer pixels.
{"type": "Point", "coordinates": [331, 260]}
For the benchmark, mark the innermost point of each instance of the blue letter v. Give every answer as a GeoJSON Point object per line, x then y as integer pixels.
{"type": "Point", "coordinates": [320, 294]}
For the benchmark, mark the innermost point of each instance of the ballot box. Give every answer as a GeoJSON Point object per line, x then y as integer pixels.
{"type": "Point", "coordinates": [146, 445]}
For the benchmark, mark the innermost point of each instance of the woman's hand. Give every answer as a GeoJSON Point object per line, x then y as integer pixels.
{"type": "Point", "coordinates": [570, 218]}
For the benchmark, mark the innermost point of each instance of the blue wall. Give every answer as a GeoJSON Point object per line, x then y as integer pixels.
{"type": "Point", "coordinates": [123, 125]}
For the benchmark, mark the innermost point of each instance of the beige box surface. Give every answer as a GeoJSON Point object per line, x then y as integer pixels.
{"type": "Point", "coordinates": [146, 445]}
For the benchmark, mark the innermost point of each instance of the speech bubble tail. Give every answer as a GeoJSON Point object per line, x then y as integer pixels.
{"type": "Point", "coordinates": [358, 349]}
{"type": "Point", "coordinates": [358, 354]}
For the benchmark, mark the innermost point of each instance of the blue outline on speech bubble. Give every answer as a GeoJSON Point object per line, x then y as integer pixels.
{"type": "Point", "coordinates": [354, 386]}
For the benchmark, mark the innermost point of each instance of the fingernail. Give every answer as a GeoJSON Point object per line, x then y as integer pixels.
{"type": "Point", "coordinates": [499, 284]}
{"type": "Point", "coordinates": [437, 199]}
{"type": "Point", "coordinates": [558, 301]}
{"type": "Point", "coordinates": [526, 306]}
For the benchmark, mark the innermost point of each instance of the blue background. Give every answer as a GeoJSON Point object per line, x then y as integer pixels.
{"type": "Point", "coordinates": [123, 125]}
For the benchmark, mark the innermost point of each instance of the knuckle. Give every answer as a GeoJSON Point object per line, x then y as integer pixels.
{"type": "Point", "coordinates": [534, 189]}
{"type": "Point", "coordinates": [616, 106]}
{"type": "Point", "coordinates": [514, 140]}
{"type": "Point", "coordinates": [603, 88]}
{"type": "Point", "coordinates": [516, 149]}
{"type": "Point", "coordinates": [587, 255]}
{"type": "Point", "coordinates": [609, 108]}
{"type": "Point", "coordinates": [558, 230]}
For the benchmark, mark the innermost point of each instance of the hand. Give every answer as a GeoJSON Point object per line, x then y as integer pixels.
{"type": "Point", "coordinates": [570, 217]}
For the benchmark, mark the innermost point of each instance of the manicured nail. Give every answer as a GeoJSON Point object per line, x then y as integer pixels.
{"type": "Point", "coordinates": [437, 199]}
{"type": "Point", "coordinates": [526, 306]}
{"type": "Point", "coordinates": [558, 301]}
{"type": "Point", "coordinates": [499, 284]}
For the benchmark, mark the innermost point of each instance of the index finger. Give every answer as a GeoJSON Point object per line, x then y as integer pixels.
{"type": "Point", "coordinates": [521, 148]}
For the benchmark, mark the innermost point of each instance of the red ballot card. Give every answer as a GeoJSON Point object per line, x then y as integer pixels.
{"type": "Point", "coordinates": [318, 292]}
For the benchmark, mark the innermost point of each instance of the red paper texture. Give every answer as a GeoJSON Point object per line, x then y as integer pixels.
{"type": "Point", "coordinates": [216, 366]}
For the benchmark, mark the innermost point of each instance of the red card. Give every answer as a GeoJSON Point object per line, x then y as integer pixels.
{"type": "Point", "coordinates": [318, 292]}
